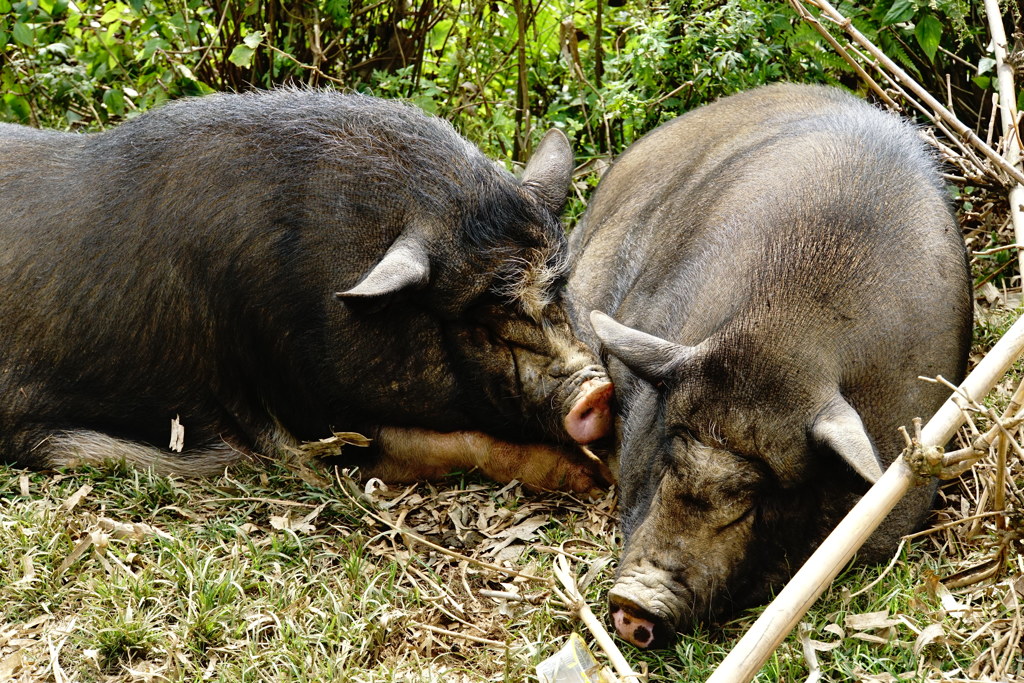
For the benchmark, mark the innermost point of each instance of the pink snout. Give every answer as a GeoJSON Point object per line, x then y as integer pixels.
{"type": "Point", "coordinates": [633, 629]}
{"type": "Point", "coordinates": [591, 417]}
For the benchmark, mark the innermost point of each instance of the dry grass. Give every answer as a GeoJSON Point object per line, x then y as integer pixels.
{"type": "Point", "coordinates": [278, 575]}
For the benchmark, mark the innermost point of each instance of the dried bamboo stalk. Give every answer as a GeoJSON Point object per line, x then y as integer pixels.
{"type": "Point", "coordinates": [900, 76]}
{"type": "Point", "coordinates": [1008, 117]}
{"type": "Point", "coordinates": [783, 614]}
{"type": "Point", "coordinates": [576, 602]}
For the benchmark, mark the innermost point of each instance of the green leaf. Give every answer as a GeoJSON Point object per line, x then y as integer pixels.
{"type": "Point", "coordinates": [242, 56]}
{"type": "Point", "coordinates": [19, 106]}
{"type": "Point", "coordinates": [3, 38]}
{"type": "Point", "coordinates": [253, 39]}
{"type": "Point", "coordinates": [113, 14]}
{"type": "Point", "coordinates": [152, 45]}
{"type": "Point", "coordinates": [985, 64]}
{"type": "Point", "coordinates": [113, 100]}
{"type": "Point", "coordinates": [23, 34]}
{"type": "Point", "coordinates": [901, 10]}
{"type": "Point", "coordinates": [5, 6]}
{"type": "Point", "coordinates": [928, 33]}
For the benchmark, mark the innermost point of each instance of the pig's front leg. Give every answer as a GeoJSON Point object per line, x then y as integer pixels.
{"type": "Point", "coordinates": [407, 454]}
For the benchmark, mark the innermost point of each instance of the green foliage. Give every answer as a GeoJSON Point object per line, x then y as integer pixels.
{"type": "Point", "coordinates": [503, 72]}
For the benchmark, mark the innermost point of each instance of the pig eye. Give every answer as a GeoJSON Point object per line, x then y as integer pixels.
{"type": "Point", "coordinates": [743, 517]}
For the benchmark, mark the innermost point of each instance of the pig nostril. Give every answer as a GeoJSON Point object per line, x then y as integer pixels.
{"type": "Point", "coordinates": [642, 636]}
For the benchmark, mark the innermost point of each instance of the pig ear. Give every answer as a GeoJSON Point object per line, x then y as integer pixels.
{"type": "Point", "coordinates": [649, 357]}
{"type": "Point", "coordinates": [405, 265]}
{"type": "Point", "coordinates": [838, 427]}
{"type": "Point", "coordinates": [549, 171]}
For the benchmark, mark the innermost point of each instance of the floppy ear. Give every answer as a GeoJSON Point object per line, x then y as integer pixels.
{"type": "Point", "coordinates": [649, 357]}
{"type": "Point", "coordinates": [839, 428]}
{"type": "Point", "coordinates": [406, 265]}
{"type": "Point", "coordinates": [549, 171]}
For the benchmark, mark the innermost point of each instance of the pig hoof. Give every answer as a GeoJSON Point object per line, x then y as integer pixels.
{"type": "Point", "coordinates": [638, 628]}
{"type": "Point", "coordinates": [591, 418]}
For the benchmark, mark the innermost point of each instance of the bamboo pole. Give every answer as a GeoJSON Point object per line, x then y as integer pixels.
{"type": "Point", "coordinates": [783, 614]}
{"type": "Point", "coordinates": [901, 76]}
{"type": "Point", "coordinates": [1008, 117]}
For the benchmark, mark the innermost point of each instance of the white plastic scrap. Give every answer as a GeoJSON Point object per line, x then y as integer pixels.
{"type": "Point", "coordinates": [574, 663]}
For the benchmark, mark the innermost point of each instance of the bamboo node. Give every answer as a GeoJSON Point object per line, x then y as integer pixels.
{"type": "Point", "coordinates": [925, 461]}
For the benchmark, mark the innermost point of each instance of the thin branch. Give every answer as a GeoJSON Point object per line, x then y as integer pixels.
{"type": "Point", "coordinates": [898, 75]}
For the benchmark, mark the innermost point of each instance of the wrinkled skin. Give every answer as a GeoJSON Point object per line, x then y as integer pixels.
{"type": "Point", "coordinates": [269, 267]}
{"type": "Point", "coordinates": [779, 268]}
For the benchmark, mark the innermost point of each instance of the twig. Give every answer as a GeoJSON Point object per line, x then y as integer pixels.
{"type": "Point", "coordinates": [456, 634]}
{"type": "Point", "coordinates": [885, 572]}
{"type": "Point", "coordinates": [898, 75]}
{"type": "Point", "coordinates": [949, 525]}
{"type": "Point", "coordinates": [579, 606]}
{"type": "Point", "coordinates": [1008, 116]}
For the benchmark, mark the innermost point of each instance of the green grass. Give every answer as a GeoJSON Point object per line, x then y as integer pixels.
{"type": "Point", "coordinates": [260, 576]}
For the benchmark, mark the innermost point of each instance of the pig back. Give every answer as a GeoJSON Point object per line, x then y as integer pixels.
{"type": "Point", "coordinates": [795, 228]}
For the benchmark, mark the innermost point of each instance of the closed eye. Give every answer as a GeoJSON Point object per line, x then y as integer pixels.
{"type": "Point", "coordinates": [748, 514]}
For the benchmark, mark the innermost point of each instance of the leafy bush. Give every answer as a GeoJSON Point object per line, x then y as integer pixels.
{"type": "Point", "coordinates": [605, 71]}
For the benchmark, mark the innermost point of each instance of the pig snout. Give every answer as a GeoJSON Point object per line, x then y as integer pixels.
{"type": "Point", "coordinates": [637, 625]}
{"type": "Point", "coordinates": [646, 606]}
{"type": "Point", "coordinates": [590, 405]}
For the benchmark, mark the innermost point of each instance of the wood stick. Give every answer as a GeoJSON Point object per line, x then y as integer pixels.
{"type": "Point", "coordinates": [903, 78]}
{"type": "Point", "coordinates": [586, 615]}
{"type": "Point", "coordinates": [1008, 117]}
{"type": "Point", "coordinates": [783, 614]}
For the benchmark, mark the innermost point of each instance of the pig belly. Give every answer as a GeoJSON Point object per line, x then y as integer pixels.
{"type": "Point", "coordinates": [410, 454]}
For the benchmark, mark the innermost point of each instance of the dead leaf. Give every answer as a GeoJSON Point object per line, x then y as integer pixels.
{"type": "Point", "coordinates": [991, 294]}
{"type": "Point", "coordinates": [28, 570]}
{"type": "Point", "coordinates": [135, 530]}
{"type": "Point", "coordinates": [929, 635]}
{"type": "Point", "coordinates": [286, 523]}
{"type": "Point", "coordinates": [373, 486]}
{"type": "Point", "coordinates": [84, 544]}
{"type": "Point", "coordinates": [836, 629]}
{"type": "Point", "coordinates": [871, 638]}
{"type": "Point", "coordinates": [869, 621]}
{"type": "Point", "coordinates": [524, 531]}
{"type": "Point", "coordinates": [76, 498]}
{"type": "Point", "coordinates": [811, 657]}
{"type": "Point", "coordinates": [332, 446]}
{"type": "Point", "coordinates": [10, 665]}
{"type": "Point", "coordinates": [949, 603]}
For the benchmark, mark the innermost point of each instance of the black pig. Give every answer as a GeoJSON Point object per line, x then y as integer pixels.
{"type": "Point", "coordinates": [783, 265]}
{"type": "Point", "coordinates": [272, 266]}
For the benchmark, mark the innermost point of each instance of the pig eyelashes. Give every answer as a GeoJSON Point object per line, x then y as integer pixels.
{"type": "Point", "coordinates": [530, 280]}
